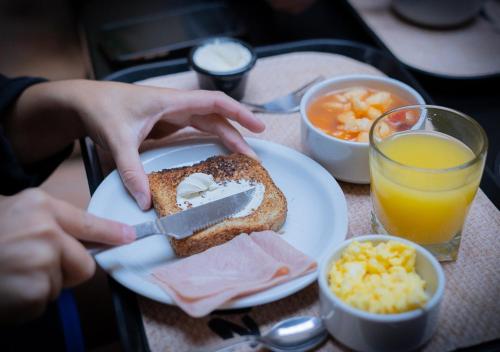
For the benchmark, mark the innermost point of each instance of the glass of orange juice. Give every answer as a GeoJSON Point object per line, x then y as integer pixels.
{"type": "Point", "coordinates": [426, 163]}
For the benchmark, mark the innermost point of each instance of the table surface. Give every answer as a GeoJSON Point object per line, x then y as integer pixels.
{"type": "Point", "coordinates": [473, 97]}
{"type": "Point", "coordinates": [462, 323]}
{"type": "Point", "coordinates": [178, 81]}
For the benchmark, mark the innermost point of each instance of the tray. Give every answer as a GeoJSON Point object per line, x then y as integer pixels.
{"type": "Point", "coordinates": [129, 318]}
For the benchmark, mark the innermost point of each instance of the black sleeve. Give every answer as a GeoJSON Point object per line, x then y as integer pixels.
{"type": "Point", "coordinates": [13, 176]}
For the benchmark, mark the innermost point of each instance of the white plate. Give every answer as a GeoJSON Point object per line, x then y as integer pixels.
{"type": "Point", "coordinates": [316, 220]}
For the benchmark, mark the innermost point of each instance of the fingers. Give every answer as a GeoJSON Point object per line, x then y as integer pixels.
{"type": "Point", "coordinates": [162, 129]}
{"type": "Point", "coordinates": [87, 227]}
{"type": "Point", "coordinates": [229, 135]}
{"type": "Point", "coordinates": [76, 263]}
{"type": "Point", "coordinates": [66, 260]}
{"type": "Point", "coordinates": [47, 256]}
{"type": "Point", "coordinates": [27, 287]}
{"type": "Point", "coordinates": [132, 174]}
{"type": "Point", "coordinates": [201, 102]}
{"type": "Point", "coordinates": [24, 297]}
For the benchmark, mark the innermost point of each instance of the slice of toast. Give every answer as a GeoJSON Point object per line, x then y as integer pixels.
{"type": "Point", "coordinates": [270, 215]}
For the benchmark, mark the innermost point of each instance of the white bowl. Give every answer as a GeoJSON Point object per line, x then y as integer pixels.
{"type": "Point", "coordinates": [346, 160]}
{"type": "Point", "coordinates": [364, 331]}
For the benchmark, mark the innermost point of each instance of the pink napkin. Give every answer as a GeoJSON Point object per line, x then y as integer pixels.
{"type": "Point", "coordinates": [247, 264]}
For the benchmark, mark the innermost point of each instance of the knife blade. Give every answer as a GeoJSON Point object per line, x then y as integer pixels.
{"type": "Point", "coordinates": [185, 223]}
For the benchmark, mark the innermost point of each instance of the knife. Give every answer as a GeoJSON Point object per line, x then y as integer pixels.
{"type": "Point", "coordinates": [185, 223]}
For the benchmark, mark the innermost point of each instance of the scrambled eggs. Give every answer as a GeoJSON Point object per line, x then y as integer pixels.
{"type": "Point", "coordinates": [378, 278]}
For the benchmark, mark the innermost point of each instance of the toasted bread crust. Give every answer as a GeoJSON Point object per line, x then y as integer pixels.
{"type": "Point", "coordinates": [270, 215]}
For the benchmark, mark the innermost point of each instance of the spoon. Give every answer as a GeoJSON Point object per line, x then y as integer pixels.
{"type": "Point", "coordinates": [291, 335]}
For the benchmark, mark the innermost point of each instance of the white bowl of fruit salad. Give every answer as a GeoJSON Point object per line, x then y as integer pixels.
{"type": "Point", "coordinates": [336, 116]}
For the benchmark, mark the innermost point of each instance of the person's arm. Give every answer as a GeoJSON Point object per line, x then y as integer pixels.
{"type": "Point", "coordinates": [14, 175]}
{"type": "Point", "coordinates": [39, 123]}
{"type": "Point", "coordinates": [119, 117]}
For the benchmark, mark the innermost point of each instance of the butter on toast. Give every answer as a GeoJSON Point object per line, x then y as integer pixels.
{"type": "Point", "coordinates": [270, 214]}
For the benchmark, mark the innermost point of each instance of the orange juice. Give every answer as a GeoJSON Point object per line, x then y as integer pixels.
{"type": "Point", "coordinates": [425, 191]}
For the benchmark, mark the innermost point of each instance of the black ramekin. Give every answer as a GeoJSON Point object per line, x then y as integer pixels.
{"type": "Point", "coordinates": [233, 82]}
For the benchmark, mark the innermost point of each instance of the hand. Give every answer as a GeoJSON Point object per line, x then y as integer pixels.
{"type": "Point", "coordinates": [40, 254]}
{"type": "Point", "coordinates": [119, 117]}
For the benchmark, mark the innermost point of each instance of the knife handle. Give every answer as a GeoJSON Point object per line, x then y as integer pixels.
{"type": "Point", "coordinates": [142, 230]}
{"type": "Point", "coordinates": [149, 228]}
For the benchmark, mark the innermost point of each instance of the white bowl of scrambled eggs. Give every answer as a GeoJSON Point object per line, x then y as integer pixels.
{"type": "Point", "coordinates": [381, 293]}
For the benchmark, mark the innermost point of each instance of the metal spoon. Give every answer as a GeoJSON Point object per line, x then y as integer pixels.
{"type": "Point", "coordinates": [291, 335]}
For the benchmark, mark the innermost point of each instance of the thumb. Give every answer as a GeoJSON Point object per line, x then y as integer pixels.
{"type": "Point", "coordinates": [133, 176]}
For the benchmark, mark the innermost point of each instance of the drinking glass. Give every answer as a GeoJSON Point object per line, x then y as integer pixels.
{"type": "Point", "coordinates": [426, 163]}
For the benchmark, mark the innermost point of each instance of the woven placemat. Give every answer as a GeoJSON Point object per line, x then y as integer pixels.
{"type": "Point", "coordinates": [470, 311]}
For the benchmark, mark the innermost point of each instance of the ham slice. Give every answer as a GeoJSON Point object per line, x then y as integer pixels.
{"type": "Point", "coordinates": [247, 264]}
